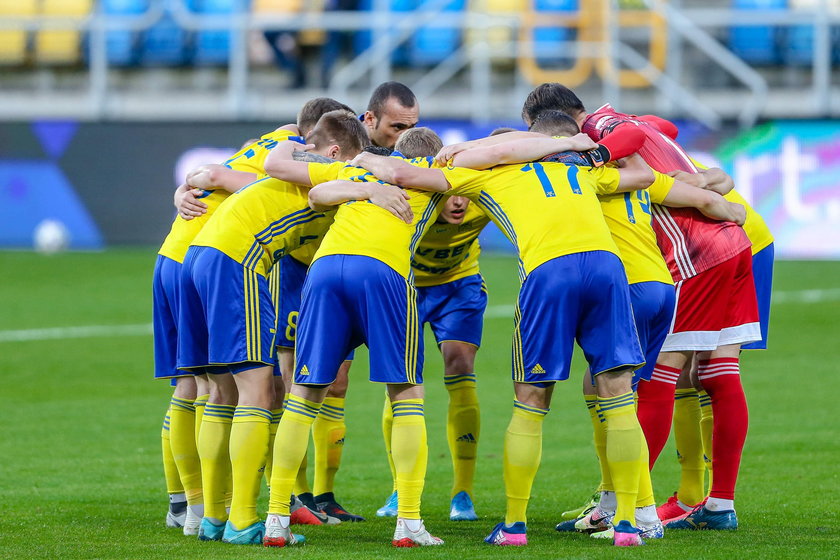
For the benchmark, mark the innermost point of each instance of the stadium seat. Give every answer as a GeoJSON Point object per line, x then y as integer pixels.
{"type": "Point", "coordinates": [13, 41]}
{"type": "Point", "coordinates": [363, 39]}
{"type": "Point", "coordinates": [549, 39]}
{"type": "Point", "coordinates": [798, 44]}
{"type": "Point", "coordinates": [61, 46]}
{"type": "Point", "coordinates": [165, 43]}
{"type": "Point", "coordinates": [498, 38]}
{"type": "Point", "coordinates": [756, 44]}
{"type": "Point", "coordinates": [432, 45]}
{"type": "Point", "coordinates": [212, 47]}
{"type": "Point", "coordinates": [123, 45]}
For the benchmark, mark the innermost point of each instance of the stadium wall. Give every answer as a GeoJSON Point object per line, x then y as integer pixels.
{"type": "Point", "coordinates": [111, 183]}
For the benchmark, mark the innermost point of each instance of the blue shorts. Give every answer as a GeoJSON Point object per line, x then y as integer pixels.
{"type": "Point", "coordinates": [583, 297]}
{"type": "Point", "coordinates": [763, 278]}
{"type": "Point", "coordinates": [653, 309]}
{"type": "Point", "coordinates": [166, 293]}
{"type": "Point", "coordinates": [349, 300]}
{"type": "Point", "coordinates": [226, 315]}
{"type": "Point", "coordinates": [454, 310]}
{"type": "Point", "coordinates": [286, 284]}
{"type": "Point", "coordinates": [286, 280]}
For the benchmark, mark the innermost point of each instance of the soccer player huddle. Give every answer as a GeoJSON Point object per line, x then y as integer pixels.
{"type": "Point", "coordinates": [338, 231]}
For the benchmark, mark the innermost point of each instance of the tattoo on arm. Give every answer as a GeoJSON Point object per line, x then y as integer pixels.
{"type": "Point", "coordinates": [311, 158]}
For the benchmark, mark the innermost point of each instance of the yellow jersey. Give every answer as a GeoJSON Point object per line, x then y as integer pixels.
{"type": "Point", "coordinates": [547, 210]}
{"type": "Point", "coordinates": [754, 226]}
{"type": "Point", "coordinates": [306, 253]}
{"type": "Point", "coordinates": [449, 252]}
{"type": "Point", "coordinates": [629, 219]}
{"type": "Point", "coordinates": [362, 228]}
{"type": "Point", "coordinates": [250, 159]}
{"type": "Point", "coordinates": [262, 222]}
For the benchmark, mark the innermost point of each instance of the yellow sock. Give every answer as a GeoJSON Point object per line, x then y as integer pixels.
{"type": "Point", "coordinates": [387, 425]}
{"type": "Point", "coordinates": [523, 451]}
{"type": "Point", "coordinates": [689, 446]}
{"type": "Point", "coordinates": [199, 404]}
{"type": "Point", "coordinates": [328, 442]}
{"type": "Point", "coordinates": [301, 480]}
{"type": "Point", "coordinates": [463, 428]}
{"type": "Point", "coordinates": [213, 448]}
{"type": "Point", "coordinates": [625, 442]}
{"type": "Point", "coordinates": [276, 414]}
{"type": "Point", "coordinates": [707, 422]}
{"type": "Point", "coordinates": [645, 495]}
{"type": "Point", "coordinates": [184, 451]}
{"type": "Point", "coordinates": [289, 450]}
{"type": "Point", "coordinates": [170, 469]}
{"type": "Point", "coordinates": [599, 436]}
{"type": "Point", "coordinates": [248, 448]}
{"type": "Point", "coordinates": [410, 451]}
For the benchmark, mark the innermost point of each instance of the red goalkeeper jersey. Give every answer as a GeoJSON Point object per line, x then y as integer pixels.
{"type": "Point", "coordinates": [690, 242]}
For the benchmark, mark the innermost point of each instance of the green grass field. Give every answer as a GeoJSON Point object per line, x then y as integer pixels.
{"type": "Point", "coordinates": [81, 477]}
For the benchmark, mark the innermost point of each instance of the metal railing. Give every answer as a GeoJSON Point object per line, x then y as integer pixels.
{"type": "Point", "coordinates": [481, 90]}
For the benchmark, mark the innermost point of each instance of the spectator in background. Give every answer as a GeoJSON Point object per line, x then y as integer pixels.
{"type": "Point", "coordinates": [291, 47]}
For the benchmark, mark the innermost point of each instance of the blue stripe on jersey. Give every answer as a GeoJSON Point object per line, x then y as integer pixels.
{"type": "Point", "coordinates": [631, 217]}
{"type": "Point", "coordinates": [421, 223]}
{"type": "Point", "coordinates": [486, 201]}
{"type": "Point", "coordinates": [268, 232]}
{"type": "Point", "coordinates": [571, 175]}
{"type": "Point", "coordinates": [253, 255]}
{"type": "Point", "coordinates": [205, 193]}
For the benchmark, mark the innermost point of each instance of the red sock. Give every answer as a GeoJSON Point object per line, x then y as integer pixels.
{"type": "Point", "coordinates": [656, 408]}
{"type": "Point", "coordinates": [721, 379]}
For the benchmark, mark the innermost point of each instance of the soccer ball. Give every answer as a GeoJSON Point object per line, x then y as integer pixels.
{"type": "Point", "coordinates": [51, 236]}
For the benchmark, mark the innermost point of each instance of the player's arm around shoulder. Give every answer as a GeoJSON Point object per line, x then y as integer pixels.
{"type": "Point", "coordinates": [521, 150]}
{"type": "Point", "coordinates": [389, 197]}
{"type": "Point", "coordinates": [216, 176]}
{"type": "Point", "coordinates": [399, 172]}
{"type": "Point", "coordinates": [709, 203]}
{"type": "Point", "coordinates": [632, 174]}
{"type": "Point", "coordinates": [280, 163]}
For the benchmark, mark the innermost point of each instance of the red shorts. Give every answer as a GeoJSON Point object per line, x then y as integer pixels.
{"type": "Point", "coordinates": [716, 308]}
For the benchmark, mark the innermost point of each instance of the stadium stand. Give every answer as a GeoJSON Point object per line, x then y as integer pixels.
{"type": "Point", "coordinates": [433, 45]}
{"type": "Point", "coordinates": [13, 41]}
{"type": "Point", "coordinates": [123, 45]}
{"type": "Point", "coordinates": [550, 39]}
{"type": "Point", "coordinates": [212, 47]}
{"type": "Point", "coordinates": [757, 44]}
{"type": "Point", "coordinates": [364, 39]}
{"type": "Point", "coordinates": [165, 43]}
{"type": "Point", "coordinates": [61, 46]}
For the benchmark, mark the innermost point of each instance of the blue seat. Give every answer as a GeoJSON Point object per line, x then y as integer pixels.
{"type": "Point", "coordinates": [433, 45]}
{"type": "Point", "coordinates": [165, 43]}
{"type": "Point", "coordinates": [799, 45]}
{"type": "Point", "coordinates": [123, 45]}
{"type": "Point", "coordinates": [212, 47]}
{"type": "Point", "coordinates": [548, 41]}
{"type": "Point", "coordinates": [362, 40]}
{"type": "Point", "coordinates": [757, 44]}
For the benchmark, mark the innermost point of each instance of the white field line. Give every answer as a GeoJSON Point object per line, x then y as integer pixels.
{"type": "Point", "coordinates": [90, 331]}
{"type": "Point", "coordinates": [503, 311]}
{"type": "Point", "coordinates": [806, 296]}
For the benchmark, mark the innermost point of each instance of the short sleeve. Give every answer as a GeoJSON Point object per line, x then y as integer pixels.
{"type": "Point", "coordinates": [660, 187]}
{"type": "Point", "coordinates": [464, 181]}
{"type": "Point", "coordinates": [323, 172]}
{"type": "Point", "coordinates": [606, 179]}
